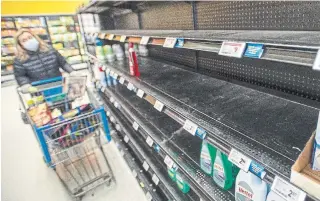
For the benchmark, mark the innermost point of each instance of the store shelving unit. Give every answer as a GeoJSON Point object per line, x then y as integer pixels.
{"type": "Point", "coordinates": [266, 107]}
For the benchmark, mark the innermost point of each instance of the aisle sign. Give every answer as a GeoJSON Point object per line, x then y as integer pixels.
{"type": "Point", "coordinates": [239, 160]}
{"type": "Point", "coordinates": [155, 179]}
{"type": "Point", "coordinates": [168, 161]}
{"type": "Point", "coordinates": [126, 139]}
{"type": "Point", "coordinates": [232, 49]}
{"type": "Point", "coordinates": [149, 141]}
{"type": "Point", "coordinates": [316, 64]}
{"type": "Point", "coordinates": [111, 36]}
{"type": "Point", "coordinates": [190, 127]}
{"type": "Point", "coordinates": [140, 93]}
{"type": "Point", "coordinates": [145, 166]}
{"type": "Point", "coordinates": [121, 80]}
{"type": "Point", "coordinates": [287, 191]}
{"type": "Point", "coordinates": [148, 196]}
{"type": "Point", "coordinates": [130, 86]}
{"type": "Point", "coordinates": [144, 40]}
{"type": "Point", "coordinates": [123, 38]}
{"type": "Point", "coordinates": [135, 126]}
{"type": "Point", "coordinates": [170, 42]}
{"type": "Point", "coordinates": [158, 105]}
{"type": "Point", "coordinates": [254, 50]}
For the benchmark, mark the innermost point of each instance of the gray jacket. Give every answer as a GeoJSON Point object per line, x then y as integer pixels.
{"type": "Point", "coordinates": [40, 66]}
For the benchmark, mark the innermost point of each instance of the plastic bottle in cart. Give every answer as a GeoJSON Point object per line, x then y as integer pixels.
{"type": "Point", "coordinates": [224, 172]}
{"type": "Point", "coordinates": [249, 187]}
{"type": "Point", "coordinates": [133, 61]}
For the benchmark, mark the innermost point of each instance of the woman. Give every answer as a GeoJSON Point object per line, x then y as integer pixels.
{"type": "Point", "coordinates": [35, 60]}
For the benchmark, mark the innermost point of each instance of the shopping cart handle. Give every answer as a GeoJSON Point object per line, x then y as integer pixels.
{"type": "Point", "coordinates": [46, 81]}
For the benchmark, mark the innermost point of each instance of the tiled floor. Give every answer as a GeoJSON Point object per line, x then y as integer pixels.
{"type": "Point", "coordinates": [25, 177]}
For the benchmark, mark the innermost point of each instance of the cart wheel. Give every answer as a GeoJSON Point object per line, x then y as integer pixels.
{"type": "Point", "coordinates": [24, 118]}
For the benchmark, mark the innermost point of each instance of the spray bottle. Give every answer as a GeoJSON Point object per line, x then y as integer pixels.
{"type": "Point", "coordinates": [133, 61]}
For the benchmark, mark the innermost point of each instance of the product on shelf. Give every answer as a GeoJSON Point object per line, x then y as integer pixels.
{"type": "Point", "coordinates": [7, 24]}
{"type": "Point", "coordinates": [74, 59]}
{"type": "Point", "coordinates": [100, 53]}
{"type": "Point", "coordinates": [8, 49]}
{"type": "Point", "coordinates": [316, 149]}
{"type": "Point", "coordinates": [58, 30]}
{"type": "Point", "coordinates": [182, 183]}
{"type": "Point", "coordinates": [28, 23]}
{"type": "Point", "coordinates": [117, 49]}
{"type": "Point", "coordinates": [250, 187]}
{"type": "Point", "coordinates": [57, 46]}
{"type": "Point", "coordinates": [207, 157]}
{"type": "Point", "coordinates": [8, 32]}
{"type": "Point", "coordinates": [133, 61]}
{"type": "Point", "coordinates": [110, 56]}
{"type": "Point", "coordinates": [7, 41]}
{"type": "Point", "coordinates": [224, 172]}
{"type": "Point", "coordinates": [143, 50]}
{"type": "Point", "coordinates": [172, 174]}
{"type": "Point", "coordinates": [126, 49]}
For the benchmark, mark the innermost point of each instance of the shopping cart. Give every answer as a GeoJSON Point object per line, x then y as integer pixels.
{"type": "Point", "coordinates": [72, 146]}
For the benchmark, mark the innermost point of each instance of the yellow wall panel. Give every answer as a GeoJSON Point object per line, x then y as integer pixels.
{"type": "Point", "coordinates": [39, 7]}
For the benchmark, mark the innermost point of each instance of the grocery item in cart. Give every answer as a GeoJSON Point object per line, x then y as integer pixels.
{"type": "Point", "coordinates": [39, 111]}
{"type": "Point", "coordinates": [74, 86]}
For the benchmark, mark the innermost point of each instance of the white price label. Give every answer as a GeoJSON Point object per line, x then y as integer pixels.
{"type": "Point", "coordinates": [168, 161]}
{"type": "Point", "coordinates": [121, 80]}
{"type": "Point", "coordinates": [110, 37]}
{"type": "Point", "coordinates": [190, 127]}
{"type": "Point", "coordinates": [232, 49]}
{"type": "Point", "coordinates": [130, 86]}
{"type": "Point", "coordinates": [126, 139]}
{"type": "Point", "coordinates": [144, 40]}
{"type": "Point", "coordinates": [123, 38]}
{"type": "Point", "coordinates": [316, 64]}
{"type": "Point", "coordinates": [158, 105]}
{"type": "Point", "coordinates": [170, 42]}
{"type": "Point", "coordinates": [155, 179]}
{"type": "Point", "coordinates": [149, 141]}
{"type": "Point", "coordinates": [103, 35]}
{"type": "Point", "coordinates": [145, 166]}
{"type": "Point", "coordinates": [135, 126]}
{"type": "Point", "coordinates": [287, 190]}
{"type": "Point", "coordinates": [140, 93]}
{"type": "Point", "coordinates": [148, 196]}
{"type": "Point", "coordinates": [239, 160]}
{"type": "Point", "coordinates": [134, 173]}
{"type": "Point", "coordinates": [108, 71]}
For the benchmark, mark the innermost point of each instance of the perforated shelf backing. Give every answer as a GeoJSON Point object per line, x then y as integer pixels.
{"type": "Point", "coordinates": [128, 21]}
{"type": "Point", "coordinates": [259, 15]}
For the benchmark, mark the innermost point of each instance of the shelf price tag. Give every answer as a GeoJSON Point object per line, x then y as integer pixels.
{"type": "Point", "coordinates": [148, 196]}
{"type": "Point", "coordinates": [287, 190]}
{"type": "Point", "coordinates": [316, 64]}
{"type": "Point", "coordinates": [190, 127]}
{"type": "Point", "coordinates": [126, 139]}
{"type": "Point", "coordinates": [239, 160]}
{"type": "Point", "coordinates": [149, 141]}
{"type": "Point", "coordinates": [155, 179]}
{"type": "Point", "coordinates": [111, 36]}
{"type": "Point", "coordinates": [168, 161]}
{"type": "Point", "coordinates": [121, 80]}
{"type": "Point", "coordinates": [144, 40]}
{"type": "Point", "coordinates": [123, 38]}
{"type": "Point", "coordinates": [134, 173]}
{"type": "Point", "coordinates": [135, 126]}
{"type": "Point", "coordinates": [232, 49]}
{"type": "Point", "coordinates": [130, 86]}
{"type": "Point", "coordinates": [170, 42]}
{"type": "Point", "coordinates": [140, 93]}
{"type": "Point", "coordinates": [103, 35]}
{"type": "Point", "coordinates": [158, 105]}
{"type": "Point", "coordinates": [145, 166]}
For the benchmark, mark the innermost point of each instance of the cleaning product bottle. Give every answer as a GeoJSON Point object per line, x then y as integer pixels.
{"type": "Point", "coordinates": [143, 50]}
{"type": "Point", "coordinates": [136, 49]}
{"type": "Point", "coordinates": [109, 54]}
{"type": "Point", "coordinates": [181, 183]}
{"type": "Point", "coordinates": [118, 51]}
{"type": "Point", "coordinates": [172, 173]}
{"type": "Point", "coordinates": [207, 157]}
{"type": "Point", "coordinates": [103, 80]}
{"type": "Point", "coordinates": [249, 187]}
{"type": "Point", "coordinates": [126, 49]}
{"type": "Point", "coordinates": [133, 61]}
{"type": "Point", "coordinates": [272, 196]}
{"type": "Point", "coordinates": [224, 172]}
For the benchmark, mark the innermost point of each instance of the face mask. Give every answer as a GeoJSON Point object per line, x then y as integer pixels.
{"type": "Point", "coordinates": [31, 45]}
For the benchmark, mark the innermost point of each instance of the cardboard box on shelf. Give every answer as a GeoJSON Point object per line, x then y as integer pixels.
{"type": "Point", "coordinates": [302, 174]}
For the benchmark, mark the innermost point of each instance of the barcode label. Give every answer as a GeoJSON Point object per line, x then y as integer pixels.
{"type": "Point", "coordinates": [149, 141]}
{"type": "Point", "coordinates": [121, 80]}
{"type": "Point", "coordinates": [140, 93]}
{"type": "Point", "coordinates": [145, 166]}
{"type": "Point", "coordinates": [168, 161]}
{"type": "Point", "coordinates": [158, 105]}
{"type": "Point", "coordinates": [170, 42]}
{"type": "Point", "coordinates": [135, 126]}
{"type": "Point", "coordinates": [123, 38]}
{"type": "Point", "coordinates": [190, 127]}
{"type": "Point", "coordinates": [155, 179]}
{"type": "Point", "coordinates": [130, 86]}
{"type": "Point", "coordinates": [111, 36]}
{"type": "Point", "coordinates": [144, 40]}
{"type": "Point", "coordinates": [126, 139]}
{"type": "Point", "coordinates": [286, 190]}
{"type": "Point", "coordinates": [239, 160]}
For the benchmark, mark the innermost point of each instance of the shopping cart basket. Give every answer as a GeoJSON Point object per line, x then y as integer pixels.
{"type": "Point", "coordinates": [73, 146]}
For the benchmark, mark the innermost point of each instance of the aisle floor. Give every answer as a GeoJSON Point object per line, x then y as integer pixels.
{"type": "Point", "coordinates": [25, 176]}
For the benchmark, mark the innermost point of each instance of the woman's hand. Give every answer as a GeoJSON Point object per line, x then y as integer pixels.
{"type": "Point", "coordinates": [28, 88]}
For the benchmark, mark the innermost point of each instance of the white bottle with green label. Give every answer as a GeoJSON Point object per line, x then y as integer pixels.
{"type": "Point", "coordinates": [207, 157]}
{"type": "Point", "coordinates": [249, 187]}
